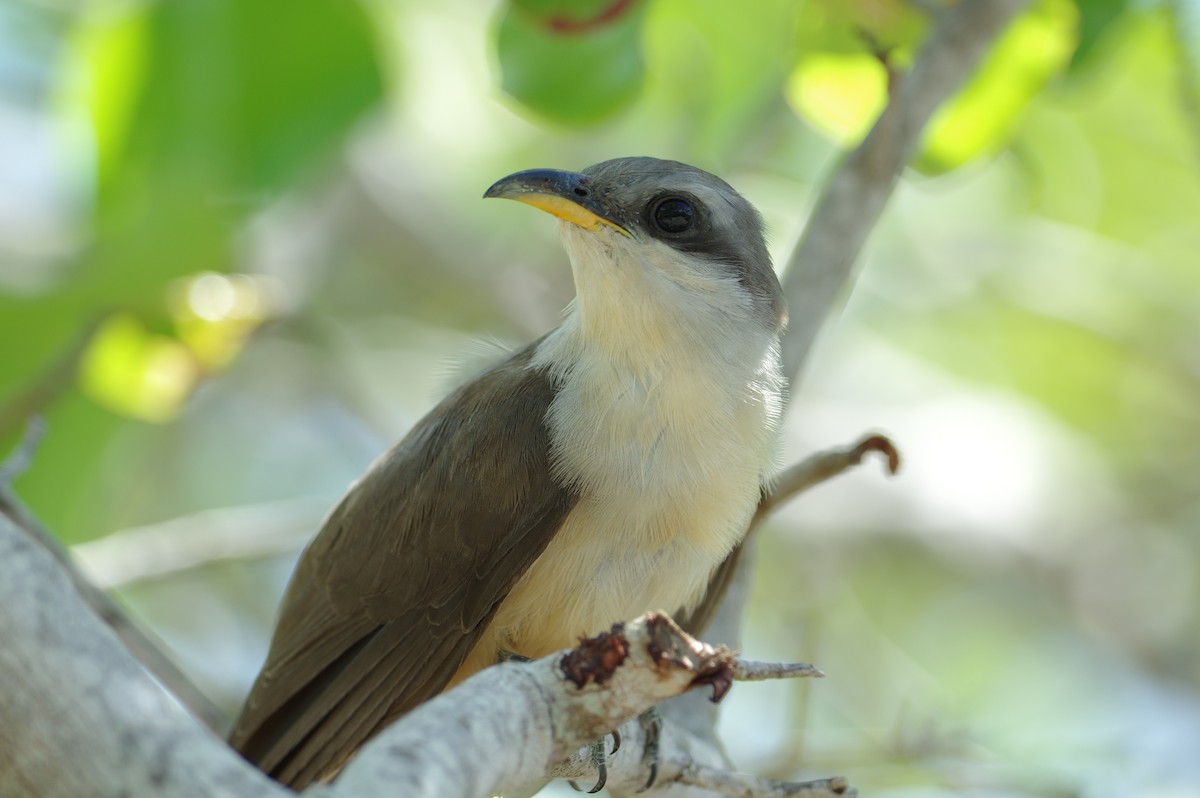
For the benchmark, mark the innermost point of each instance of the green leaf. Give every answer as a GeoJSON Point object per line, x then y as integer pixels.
{"type": "Point", "coordinates": [202, 112]}
{"type": "Point", "coordinates": [1094, 384]}
{"type": "Point", "coordinates": [571, 63]}
{"type": "Point", "coordinates": [1096, 17]}
{"type": "Point", "coordinates": [720, 67]}
{"type": "Point", "coordinates": [137, 373]}
{"type": "Point", "coordinates": [840, 94]}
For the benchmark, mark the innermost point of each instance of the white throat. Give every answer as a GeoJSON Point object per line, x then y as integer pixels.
{"type": "Point", "coordinates": [668, 394]}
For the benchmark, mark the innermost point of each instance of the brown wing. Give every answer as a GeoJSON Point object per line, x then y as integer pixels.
{"type": "Point", "coordinates": [697, 621]}
{"type": "Point", "coordinates": [392, 594]}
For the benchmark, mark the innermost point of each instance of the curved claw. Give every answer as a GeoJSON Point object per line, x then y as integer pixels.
{"type": "Point", "coordinates": [602, 777]}
{"type": "Point", "coordinates": [616, 735]}
{"type": "Point", "coordinates": [651, 722]}
{"type": "Point", "coordinates": [598, 759]}
{"type": "Point", "coordinates": [653, 775]}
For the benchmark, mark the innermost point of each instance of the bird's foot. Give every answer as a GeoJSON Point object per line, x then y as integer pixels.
{"type": "Point", "coordinates": [599, 757]}
{"type": "Point", "coordinates": [651, 723]}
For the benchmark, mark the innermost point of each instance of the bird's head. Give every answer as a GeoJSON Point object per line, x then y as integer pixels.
{"type": "Point", "coordinates": [651, 237]}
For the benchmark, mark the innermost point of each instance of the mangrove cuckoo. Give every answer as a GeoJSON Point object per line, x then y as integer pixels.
{"type": "Point", "coordinates": [607, 469]}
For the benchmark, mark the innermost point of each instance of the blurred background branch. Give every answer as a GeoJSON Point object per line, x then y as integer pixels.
{"type": "Point", "coordinates": [851, 203]}
{"type": "Point", "coordinates": [280, 248]}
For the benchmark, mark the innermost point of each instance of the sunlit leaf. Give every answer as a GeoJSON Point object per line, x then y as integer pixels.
{"type": "Point", "coordinates": [839, 82]}
{"type": "Point", "coordinates": [106, 71]}
{"type": "Point", "coordinates": [572, 63]}
{"type": "Point", "coordinates": [1122, 160]}
{"type": "Point", "coordinates": [136, 373]}
{"type": "Point", "coordinates": [840, 94]}
{"type": "Point", "coordinates": [981, 118]}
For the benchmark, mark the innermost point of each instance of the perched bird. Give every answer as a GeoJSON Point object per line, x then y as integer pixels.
{"type": "Point", "coordinates": [607, 469]}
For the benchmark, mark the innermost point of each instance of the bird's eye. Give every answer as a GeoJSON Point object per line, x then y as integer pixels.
{"type": "Point", "coordinates": [673, 215]}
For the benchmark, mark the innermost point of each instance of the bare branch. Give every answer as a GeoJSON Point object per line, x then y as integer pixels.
{"type": "Point", "coordinates": [819, 270]}
{"type": "Point", "coordinates": [147, 648]}
{"type": "Point", "coordinates": [78, 714]}
{"type": "Point", "coordinates": [856, 194]}
{"type": "Point", "coordinates": [681, 747]}
{"type": "Point", "coordinates": [746, 786]}
{"type": "Point", "coordinates": [194, 541]}
{"type": "Point", "coordinates": [608, 679]}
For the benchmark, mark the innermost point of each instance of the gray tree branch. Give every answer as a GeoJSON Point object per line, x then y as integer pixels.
{"type": "Point", "coordinates": [80, 716]}
{"type": "Point", "coordinates": [148, 649]}
{"type": "Point", "coordinates": [851, 203]}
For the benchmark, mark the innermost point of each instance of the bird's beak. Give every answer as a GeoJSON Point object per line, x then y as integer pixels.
{"type": "Point", "coordinates": [567, 195]}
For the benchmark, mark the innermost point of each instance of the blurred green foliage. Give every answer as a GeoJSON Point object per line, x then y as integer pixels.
{"type": "Point", "coordinates": [572, 62]}
{"type": "Point", "coordinates": [239, 239]}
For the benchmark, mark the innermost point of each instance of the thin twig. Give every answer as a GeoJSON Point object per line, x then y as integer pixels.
{"type": "Point", "coordinates": [198, 540]}
{"type": "Point", "coordinates": [751, 670]}
{"type": "Point", "coordinates": [741, 785]}
{"type": "Point", "coordinates": [823, 466]}
{"type": "Point", "coordinates": [22, 455]}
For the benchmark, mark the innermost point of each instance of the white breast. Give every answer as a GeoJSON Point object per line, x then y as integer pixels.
{"type": "Point", "coordinates": [668, 461]}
